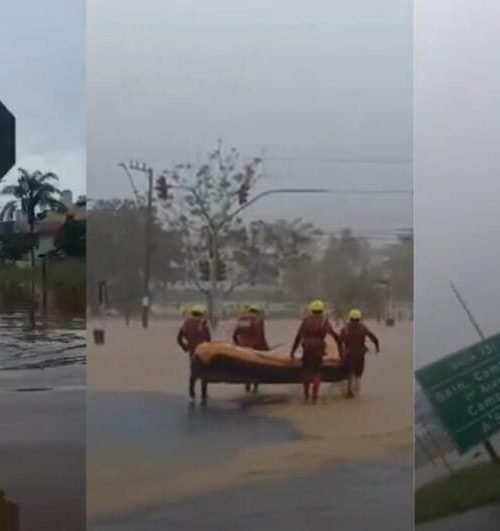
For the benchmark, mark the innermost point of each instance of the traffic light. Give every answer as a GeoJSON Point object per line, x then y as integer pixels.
{"type": "Point", "coordinates": [162, 188]}
{"type": "Point", "coordinates": [243, 194]}
{"type": "Point", "coordinates": [205, 270]}
{"type": "Point", "coordinates": [221, 271]}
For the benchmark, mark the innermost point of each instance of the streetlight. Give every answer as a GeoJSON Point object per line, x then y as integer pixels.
{"type": "Point", "coordinates": [213, 229]}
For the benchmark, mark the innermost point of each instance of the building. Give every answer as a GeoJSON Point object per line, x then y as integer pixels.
{"type": "Point", "coordinates": [48, 227]}
{"type": "Point", "coordinates": [49, 224]}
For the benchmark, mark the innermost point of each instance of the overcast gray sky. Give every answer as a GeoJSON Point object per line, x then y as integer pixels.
{"type": "Point", "coordinates": [283, 78]}
{"type": "Point", "coordinates": [42, 53]}
{"type": "Point", "coordinates": [457, 159]}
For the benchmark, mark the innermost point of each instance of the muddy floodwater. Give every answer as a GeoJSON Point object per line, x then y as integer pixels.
{"type": "Point", "coordinates": [42, 416]}
{"type": "Point", "coordinates": [264, 461]}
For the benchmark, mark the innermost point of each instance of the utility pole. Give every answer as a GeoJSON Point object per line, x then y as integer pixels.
{"type": "Point", "coordinates": [44, 284]}
{"type": "Point", "coordinates": [490, 449]}
{"type": "Point", "coordinates": [147, 251]}
{"type": "Point", "coordinates": [148, 248]}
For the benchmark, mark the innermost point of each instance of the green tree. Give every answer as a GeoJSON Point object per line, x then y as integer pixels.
{"type": "Point", "coordinates": [293, 245]}
{"type": "Point", "coordinates": [71, 238]}
{"type": "Point", "coordinates": [347, 273]}
{"type": "Point", "coordinates": [33, 193]}
{"type": "Point", "coordinates": [14, 246]}
{"type": "Point", "coordinates": [400, 268]}
{"type": "Point", "coordinates": [115, 235]}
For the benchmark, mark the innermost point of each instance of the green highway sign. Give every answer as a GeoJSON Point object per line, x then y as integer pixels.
{"type": "Point", "coordinates": [464, 390]}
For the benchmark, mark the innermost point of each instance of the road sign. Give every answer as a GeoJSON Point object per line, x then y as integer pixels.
{"type": "Point", "coordinates": [7, 140]}
{"type": "Point", "coordinates": [464, 389]}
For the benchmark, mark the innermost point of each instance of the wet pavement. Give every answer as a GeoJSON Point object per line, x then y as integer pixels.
{"type": "Point", "coordinates": [360, 496]}
{"type": "Point", "coordinates": [42, 458]}
{"type": "Point", "coordinates": [42, 420]}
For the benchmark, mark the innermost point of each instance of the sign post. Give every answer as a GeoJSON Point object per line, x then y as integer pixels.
{"type": "Point", "coordinates": [487, 444]}
{"type": "Point", "coordinates": [7, 140]}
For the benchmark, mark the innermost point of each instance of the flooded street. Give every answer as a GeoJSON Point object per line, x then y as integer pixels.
{"type": "Point", "coordinates": [50, 357]}
{"type": "Point", "coordinates": [153, 462]}
{"type": "Point", "coordinates": [341, 496]}
{"type": "Point", "coordinates": [42, 417]}
{"type": "Point", "coordinates": [49, 345]}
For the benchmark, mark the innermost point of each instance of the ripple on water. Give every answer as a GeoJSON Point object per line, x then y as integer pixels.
{"type": "Point", "coordinates": [56, 342]}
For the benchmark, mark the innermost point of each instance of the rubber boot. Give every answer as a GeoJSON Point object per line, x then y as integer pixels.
{"type": "Point", "coordinates": [204, 395]}
{"type": "Point", "coordinates": [315, 388]}
{"type": "Point", "coordinates": [248, 387]}
{"type": "Point", "coordinates": [357, 387]}
{"type": "Point", "coordinates": [192, 392]}
{"type": "Point", "coordinates": [306, 385]}
{"type": "Point", "coordinates": [350, 387]}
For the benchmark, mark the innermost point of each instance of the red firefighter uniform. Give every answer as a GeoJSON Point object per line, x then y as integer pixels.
{"type": "Point", "coordinates": [192, 333]}
{"type": "Point", "coordinates": [353, 337]}
{"type": "Point", "coordinates": [312, 336]}
{"type": "Point", "coordinates": [250, 333]}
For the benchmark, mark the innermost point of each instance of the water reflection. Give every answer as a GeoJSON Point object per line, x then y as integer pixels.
{"type": "Point", "coordinates": [33, 336]}
{"type": "Point", "coordinates": [9, 514]}
{"type": "Point", "coordinates": [42, 453]}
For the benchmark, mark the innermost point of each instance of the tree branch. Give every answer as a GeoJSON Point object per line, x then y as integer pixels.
{"type": "Point", "coordinates": [236, 283]}
{"type": "Point", "coordinates": [190, 270]}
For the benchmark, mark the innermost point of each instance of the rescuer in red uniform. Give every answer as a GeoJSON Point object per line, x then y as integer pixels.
{"type": "Point", "coordinates": [311, 335]}
{"type": "Point", "coordinates": [192, 333]}
{"type": "Point", "coordinates": [250, 333]}
{"type": "Point", "coordinates": [353, 337]}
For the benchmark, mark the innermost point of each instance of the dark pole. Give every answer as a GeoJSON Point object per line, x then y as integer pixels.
{"type": "Point", "coordinates": [495, 458]}
{"type": "Point", "coordinates": [44, 284]}
{"type": "Point", "coordinates": [147, 250]}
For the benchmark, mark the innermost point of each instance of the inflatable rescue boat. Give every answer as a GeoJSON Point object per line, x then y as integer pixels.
{"type": "Point", "coordinates": [224, 362]}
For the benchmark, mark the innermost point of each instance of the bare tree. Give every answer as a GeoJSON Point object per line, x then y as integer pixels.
{"type": "Point", "coordinates": [207, 211]}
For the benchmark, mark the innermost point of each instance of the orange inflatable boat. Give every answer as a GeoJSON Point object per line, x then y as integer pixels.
{"type": "Point", "coordinates": [224, 362]}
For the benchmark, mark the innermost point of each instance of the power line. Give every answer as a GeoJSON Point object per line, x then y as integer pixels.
{"type": "Point", "coordinates": [338, 160]}
{"type": "Point", "coordinates": [354, 191]}
{"type": "Point", "coordinates": [388, 191]}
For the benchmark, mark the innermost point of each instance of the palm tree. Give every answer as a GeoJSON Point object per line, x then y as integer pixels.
{"type": "Point", "coordinates": [33, 193]}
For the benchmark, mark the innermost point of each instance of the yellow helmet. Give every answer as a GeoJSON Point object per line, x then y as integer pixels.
{"type": "Point", "coordinates": [197, 309]}
{"type": "Point", "coordinates": [316, 306]}
{"type": "Point", "coordinates": [251, 308]}
{"type": "Point", "coordinates": [355, 315]}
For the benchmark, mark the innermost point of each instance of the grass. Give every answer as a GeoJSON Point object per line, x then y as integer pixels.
{"type": "Point", "coordinates": [67, 272]}
{"type": "Point", "coordinates": [466, 489]}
